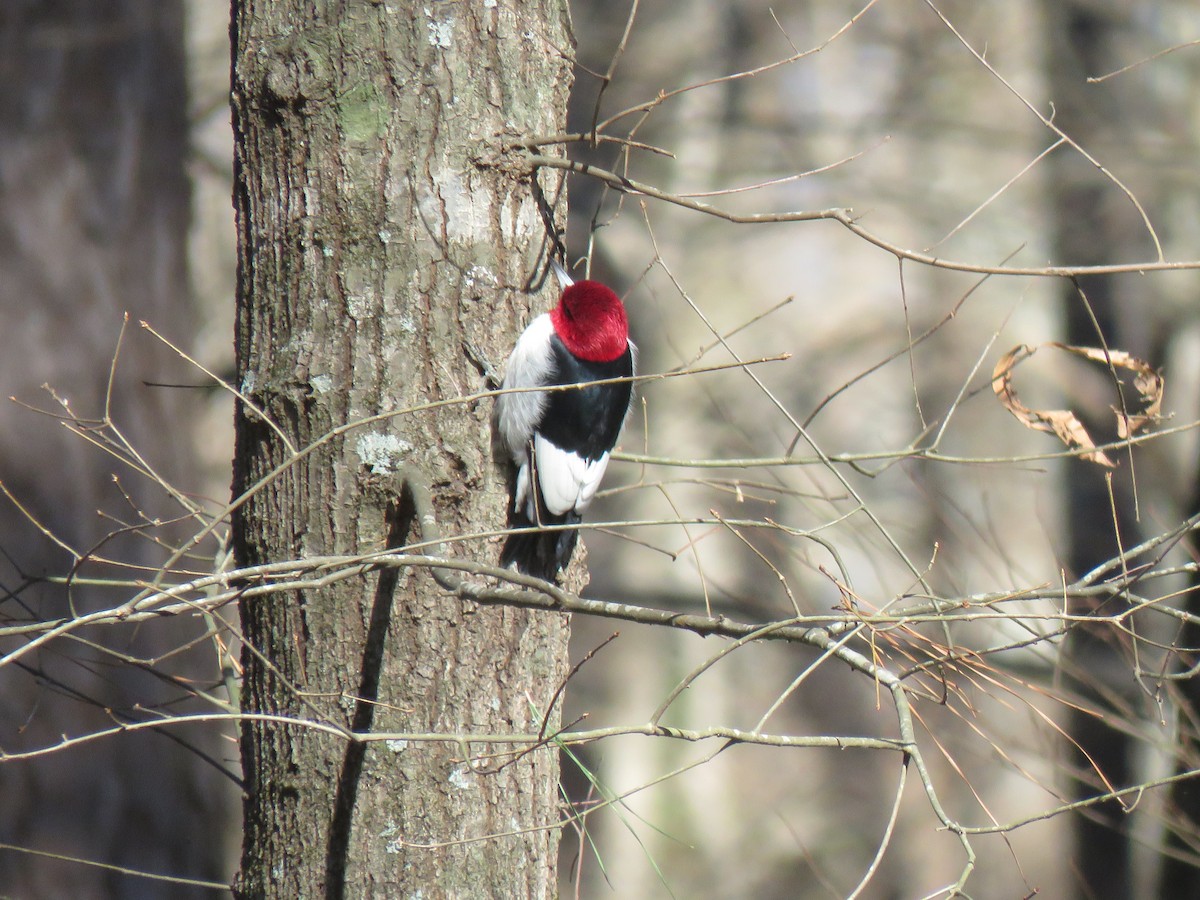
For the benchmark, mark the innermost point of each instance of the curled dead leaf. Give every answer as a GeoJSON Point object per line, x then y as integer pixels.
{"type": "Point", "coordinates": [1063, 422]}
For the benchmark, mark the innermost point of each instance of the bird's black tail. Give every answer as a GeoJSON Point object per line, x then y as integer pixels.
{"type": "Point", "coordinates": [537, 552]}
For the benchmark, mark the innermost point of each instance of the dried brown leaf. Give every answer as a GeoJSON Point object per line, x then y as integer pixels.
{"type": "Point", "coordinates": [1063, 422]}
{"type": "Point", "coordinates": [1146, 381]}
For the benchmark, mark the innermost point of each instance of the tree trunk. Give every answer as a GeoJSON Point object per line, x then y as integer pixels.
{"type": "Point", "coordinates": [1096, 224]}
{"type": "Point", "coordinates": [94, 218]}
{"type": "Point", "coordinates": [382, 257]}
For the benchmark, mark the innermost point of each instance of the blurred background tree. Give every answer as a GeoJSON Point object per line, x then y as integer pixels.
{"type": "Point", "coordinates": [94, 209]}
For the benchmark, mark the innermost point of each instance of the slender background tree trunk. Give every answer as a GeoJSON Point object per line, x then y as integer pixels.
{"type": "Point", "coordinates": [93, 225]}
{"type": "Point", "coordinates": [1096, 223]}
{"type": "Point", "coordinates": [382, 257]}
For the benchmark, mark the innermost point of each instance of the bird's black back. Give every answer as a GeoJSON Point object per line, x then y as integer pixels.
{"type": "Point", "coordinates": [586, 421]}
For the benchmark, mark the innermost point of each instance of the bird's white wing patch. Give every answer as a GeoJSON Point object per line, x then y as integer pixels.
{"type": "Point", "coordinates": [518, 415]}
{"type": "Point", "coordinates": [593, 475]}
{"type": "Point", "coordinates": [567, 480]}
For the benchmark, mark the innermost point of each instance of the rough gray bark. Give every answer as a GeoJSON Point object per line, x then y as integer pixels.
{"type": "Point", "coordinates": [383, 254]}
{"type": "Point", "coordinates": [93, 224]}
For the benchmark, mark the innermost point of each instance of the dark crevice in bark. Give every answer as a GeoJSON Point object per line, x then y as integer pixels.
{"type": "Point", "coordinates": [400, 517]}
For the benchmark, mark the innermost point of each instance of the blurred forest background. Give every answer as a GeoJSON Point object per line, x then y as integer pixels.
{"type": "Point", "coordinates": [870, 471]}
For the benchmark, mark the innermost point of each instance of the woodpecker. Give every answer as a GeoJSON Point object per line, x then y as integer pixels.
{"type": "Point", "coordinates": [559, 441]}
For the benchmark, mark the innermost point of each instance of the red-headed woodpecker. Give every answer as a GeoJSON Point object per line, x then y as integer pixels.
{"type": "Point", "coordinates": [559, 441]}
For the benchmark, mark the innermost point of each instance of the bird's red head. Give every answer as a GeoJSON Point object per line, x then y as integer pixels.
{"type": "Point", "coordinates": [590, 320]}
